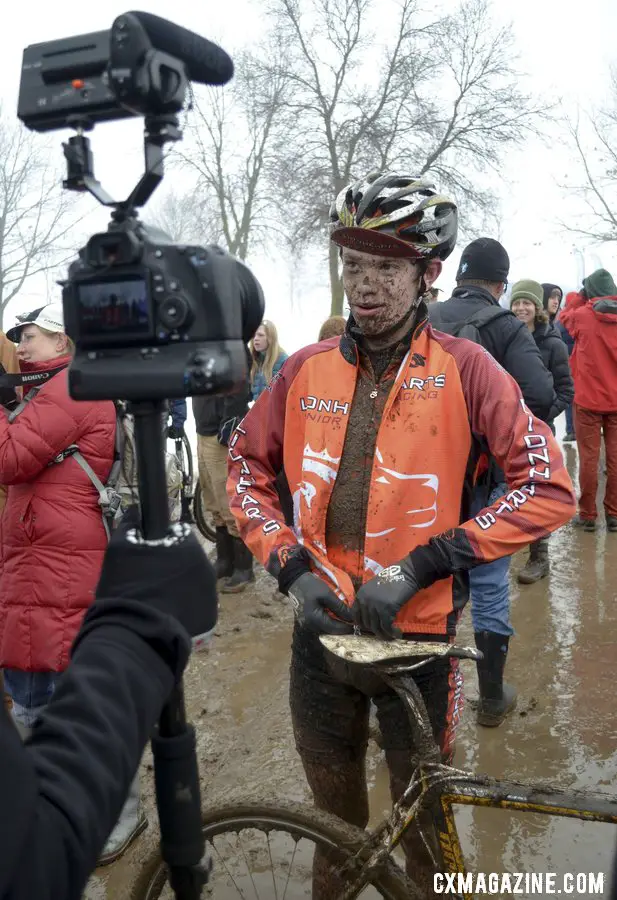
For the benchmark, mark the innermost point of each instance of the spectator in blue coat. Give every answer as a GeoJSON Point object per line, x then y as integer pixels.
{"type": "Point", "coordinates": [178, 412]}
{"type": "Point", "coordinates": [267, 357]}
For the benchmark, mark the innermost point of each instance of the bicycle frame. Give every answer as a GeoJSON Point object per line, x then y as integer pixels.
{"type": "Point", "coordinates": [436, 788]}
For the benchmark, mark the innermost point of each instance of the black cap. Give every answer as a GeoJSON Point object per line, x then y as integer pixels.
{"type": "Point", "coordinates": [485, 260]}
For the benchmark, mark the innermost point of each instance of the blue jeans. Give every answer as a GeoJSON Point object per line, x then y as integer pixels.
{"type": "Point", "coordinates": [490, 584]}
{"type": "Point", "coordinates": [30, 693]}
{"type": "Point", "coordinates": [569, 420]}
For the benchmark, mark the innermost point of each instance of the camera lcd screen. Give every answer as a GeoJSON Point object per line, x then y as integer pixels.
{"type": "Point", "coordinates": [114, 308]}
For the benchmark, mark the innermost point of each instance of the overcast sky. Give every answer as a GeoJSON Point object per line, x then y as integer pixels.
{"type": "Point", "coordinates": [567, 55]}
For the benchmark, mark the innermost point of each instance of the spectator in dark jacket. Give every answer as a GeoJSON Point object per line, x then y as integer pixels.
{"type": "Point", "coordinates": [481, 281]}
{"type": "Point", "coordinates": [527, 303]}
{"type": "Point", "coordinates": [215, 420]}
{"type": "Point", "coordinates": [553, 295]}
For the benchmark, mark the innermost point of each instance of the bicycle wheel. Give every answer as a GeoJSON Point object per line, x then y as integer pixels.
{"type": "Point", "coordinates": [272, 860]}
{"type": "Point", "coordinates": [185, 460]}
{"type": "Point", "coordinates": [203, 518]}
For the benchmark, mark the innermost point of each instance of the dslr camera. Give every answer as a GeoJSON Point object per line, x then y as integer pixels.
{"type": "Point", "coordinates": [150, 318]}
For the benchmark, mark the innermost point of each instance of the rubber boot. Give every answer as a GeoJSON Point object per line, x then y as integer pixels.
{"type": "Point", "coordinates": [585, 524]}
{"type": "Point", "coordinates": [537, 566]}
{"type": "Point", "coordinates": [224, 565]}
{"type": "Point", "coordinates": [497, 698]}
{"type": "Point", "coordinates": [243, 569]}
{"type": "Point", "coordinates": [129, 826]}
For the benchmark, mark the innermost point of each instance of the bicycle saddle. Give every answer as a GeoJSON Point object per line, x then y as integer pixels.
{"type": "Point", "coordinates": [368, 650]}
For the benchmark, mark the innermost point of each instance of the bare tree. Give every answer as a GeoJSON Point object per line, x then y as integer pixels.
{"type": "Point", "coordinates": [593, 140]}
{"type": "Point", "coordinates": [185, 216]}
{"type": "Point", "coordinates": [36, 215]}
{"type": "Point", "coordinates": [436, 97]}
{"type": "Point", "coordinates": [235, 134]}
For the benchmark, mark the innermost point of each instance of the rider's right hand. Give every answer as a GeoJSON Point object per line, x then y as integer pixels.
{"type": "Point", "coordinates": [311, 598]}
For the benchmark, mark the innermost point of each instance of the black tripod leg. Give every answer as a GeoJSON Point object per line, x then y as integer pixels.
{"type": "Point", "coordinates": [175, 762]}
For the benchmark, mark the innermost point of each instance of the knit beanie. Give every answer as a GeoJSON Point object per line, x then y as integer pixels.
{"type": "Point", "coordinates": [485, 259]}
{"type": "Point", "coordinates": [528, 290]}
{"type": "Point", "coordinates": [599, 284]}
{"type": "Point", "coordinates": [548, 290]}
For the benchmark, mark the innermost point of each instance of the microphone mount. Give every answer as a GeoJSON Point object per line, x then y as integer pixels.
{"type": "Point", "coordinates": [159, 130]}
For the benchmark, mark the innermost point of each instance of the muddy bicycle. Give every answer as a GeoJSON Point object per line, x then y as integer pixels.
{"type": "Point", "coordinates": [262, 849]}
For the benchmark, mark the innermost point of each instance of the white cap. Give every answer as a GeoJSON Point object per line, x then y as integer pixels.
{"type": "Point", "coordinates": [49, 317]}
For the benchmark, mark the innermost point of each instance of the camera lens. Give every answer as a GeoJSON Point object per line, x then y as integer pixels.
{"type": "Point", "coordinates": [175, 313]}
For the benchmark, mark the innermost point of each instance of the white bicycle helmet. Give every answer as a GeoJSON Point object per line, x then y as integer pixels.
{"type": "Point", "coordinates": [395, 215]}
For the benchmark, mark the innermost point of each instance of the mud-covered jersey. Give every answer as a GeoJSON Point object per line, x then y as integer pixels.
{"type": "Point", "coordinates": [450, 403]}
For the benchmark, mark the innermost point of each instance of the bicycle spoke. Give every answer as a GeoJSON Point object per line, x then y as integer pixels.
{"type": "Point", "coordinates": [248, 868]}
{"type": "Point", "coordinates": [293, 856]}
{"type": "Point", "coordinates": [272, 866]}
{"type": "Point", "coordinates": [231, 878]}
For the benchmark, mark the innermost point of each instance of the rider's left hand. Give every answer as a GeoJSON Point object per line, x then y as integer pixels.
{"type": "Point", "coordinates": [380, 600]}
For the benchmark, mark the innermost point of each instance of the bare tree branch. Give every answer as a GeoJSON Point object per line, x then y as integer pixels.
{"type": "Point", "coordinates": [232, 150]}
{"type": "Point", "coordinates": [593, 140]}
{"type": "Point", "coordinates": [36, 215]}
{"type": "Point", "coordinates": [435, 96]}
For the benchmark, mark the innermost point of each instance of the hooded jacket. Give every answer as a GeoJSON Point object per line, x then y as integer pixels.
{"type": "Point", "coordinates": [593, 325]}
{"type": "Point", "coordinates": [52, 539]}
{"type": "Point", "coordinates": [449, 403]}
{"type": "Point", "coordinates": [554, 355]}
{"type": "Point", "coordinates": [548, 289]}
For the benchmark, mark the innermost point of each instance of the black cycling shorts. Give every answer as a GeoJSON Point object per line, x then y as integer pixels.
{"type": "Point", "coordinates": [330, 700]}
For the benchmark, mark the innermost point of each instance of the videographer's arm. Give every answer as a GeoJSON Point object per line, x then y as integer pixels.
{"type": "Point", "coordinates": [63, 790]}
{"type": "Point", "coordinates": [85, 750]}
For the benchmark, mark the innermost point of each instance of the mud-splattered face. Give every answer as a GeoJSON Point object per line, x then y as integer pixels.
{"type": "Point", "coordinates": [381, 289]}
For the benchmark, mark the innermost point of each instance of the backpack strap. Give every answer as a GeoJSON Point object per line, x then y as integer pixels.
{"type": "Point", "coordinates": [487, 314]}
{"type": "Point", "coordinates": [109, 499]}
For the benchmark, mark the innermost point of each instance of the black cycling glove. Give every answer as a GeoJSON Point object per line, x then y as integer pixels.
{"type": "Point", "coordinates": [172, 574]}
{"type": "Point", "coordinates": [380, 600]}
{"type": "Point", "coordinates": [174, 433]}
{"type": "Point", "coordinates": [312, 598]}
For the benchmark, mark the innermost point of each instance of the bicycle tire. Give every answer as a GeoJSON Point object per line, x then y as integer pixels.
{"type": "Point", "coordinates": [188, 452]}
{"type": "Point", "coordinates": [296, 819]}
{"type": "Point", "coordinates": [205, 528]}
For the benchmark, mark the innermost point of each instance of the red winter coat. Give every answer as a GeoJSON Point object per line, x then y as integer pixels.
{"type": "Point", "coordinates": [593, 325]}
{"type": "Point", "coordinates": [52, 539]}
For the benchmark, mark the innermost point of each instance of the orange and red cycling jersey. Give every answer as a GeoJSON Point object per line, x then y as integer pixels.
{"type": "Point", "coordinates": [440, 416]}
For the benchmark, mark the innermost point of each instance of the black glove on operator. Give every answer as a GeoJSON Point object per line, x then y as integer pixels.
{"type": "Point", "coordinates": [380, 599]}
{"type": "Point", "coordinates": [174, 433]}
{"type": "Point", "coordinates": [311, 597]}
{"type": "Point", "coordinates": [172, 575]}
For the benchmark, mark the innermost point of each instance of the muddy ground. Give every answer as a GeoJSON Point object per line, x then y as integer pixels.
{"type": "Point", "coordinates": [564, 731]}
